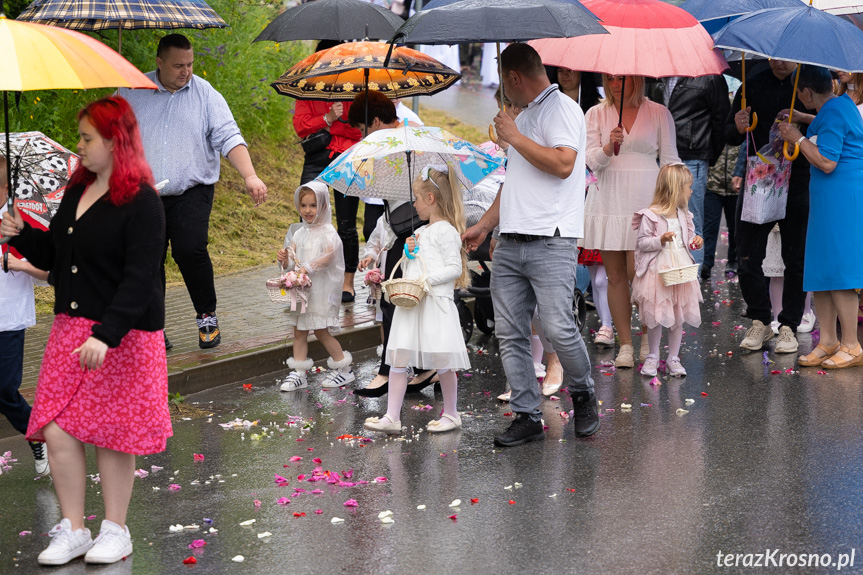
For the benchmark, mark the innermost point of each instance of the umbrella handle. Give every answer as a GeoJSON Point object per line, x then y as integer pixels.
{"type": "Point", "coordinates": [492, 135]}
{"type": "Point", "coordinates": [793, 156]}
{"type": "Point", "coordinates": [753, 117]}
{"type": "Point", "coordinates": [617, 144]}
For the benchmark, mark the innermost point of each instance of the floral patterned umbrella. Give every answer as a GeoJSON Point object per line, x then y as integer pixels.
{"type": "Point", "coordinates": [384, 163]}
{"type": "Point", "coordinates": [343, 71]}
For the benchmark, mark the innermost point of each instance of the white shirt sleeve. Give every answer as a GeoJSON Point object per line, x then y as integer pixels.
{"type": "Point", "coordinates": [596, 158]}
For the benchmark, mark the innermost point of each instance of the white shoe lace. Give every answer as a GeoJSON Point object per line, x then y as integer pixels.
{"type": "Point", "coordinates": [60, 536]}
{"type": "Point", "coordinates": [208, 321]}
{"type": "Point", "coordinates": [109, 539]}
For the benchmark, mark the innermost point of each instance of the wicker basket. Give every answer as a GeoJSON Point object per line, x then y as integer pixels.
{"type": "Point", "coordinates": [678, 274]}
{"type": "Point", "coordinates": [297, 296]}
{"type": "Point", "coordinates": [404, 292]}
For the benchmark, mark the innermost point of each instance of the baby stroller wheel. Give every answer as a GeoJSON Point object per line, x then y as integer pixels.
{"type": "Point", "coordinates": [579, 309]}
{"type": "Point", "coordinates": [465, 319]}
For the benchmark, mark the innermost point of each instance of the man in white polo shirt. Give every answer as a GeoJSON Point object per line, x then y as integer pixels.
{"type": "Point", "coordinates": [540, 210]}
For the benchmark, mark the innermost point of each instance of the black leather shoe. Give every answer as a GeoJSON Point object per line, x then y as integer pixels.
{"type": "Point", "coordinates": [373, 391]}
{"type": "Point", "coordinates": [168, 344]}
{"type": "Point", "coordinates": [705, 272]}
{"type": "Point", "coordinates": [347, 297]}
{"type": "Point", "coordinates": [422, 384]}
{"type": "Point", "coordinates": [522, 430]}
{"type": "Point", "coordinates": [586, 418]}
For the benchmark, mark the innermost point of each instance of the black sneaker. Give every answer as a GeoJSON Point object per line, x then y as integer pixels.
{"type": "Point", "coordinates": [208, 331]}
{"type": "Point", "coordinates": [168, 344]}
{"type": "Point", "coordinates": [585, 419]}
{"type": "Point", "coordinates": [522, 430]}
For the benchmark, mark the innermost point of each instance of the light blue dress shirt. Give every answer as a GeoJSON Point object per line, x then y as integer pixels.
{"type": "Point", "coordinates": [184, 132]}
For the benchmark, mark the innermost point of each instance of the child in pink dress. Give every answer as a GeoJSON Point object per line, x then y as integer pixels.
{"type": "Point", "coordinates": [666, 233]}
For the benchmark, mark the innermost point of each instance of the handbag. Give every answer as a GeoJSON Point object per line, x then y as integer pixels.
{"type": "Point", "coordinates": [768, 172]}
{"type": "Point", "coordinates": [403, 219]}
{"type": "Point", "coordinates": [316, 142]}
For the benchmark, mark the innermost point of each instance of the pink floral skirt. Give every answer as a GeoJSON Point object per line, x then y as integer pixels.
{"type": "Point", "coordinates": [122, 406]}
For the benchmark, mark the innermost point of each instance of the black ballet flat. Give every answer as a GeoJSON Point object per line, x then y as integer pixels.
{"type": "Point", "coordinates": [347, 297]}
{"type": "Point", "coordinates": [374, 391]}
{"type": "Point", "coordinates": [419, 386]}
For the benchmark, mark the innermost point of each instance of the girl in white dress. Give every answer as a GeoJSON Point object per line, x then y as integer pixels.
{"type": "Point", "coordinates": [647, 141]}
{"type": "Point", "coordinates": [430, 334]}
{"type": "Point", "coordinates": [314, 247]}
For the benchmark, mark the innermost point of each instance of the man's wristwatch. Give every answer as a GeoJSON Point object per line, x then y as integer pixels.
{"type": "Point", "coordinates": [327, 121]}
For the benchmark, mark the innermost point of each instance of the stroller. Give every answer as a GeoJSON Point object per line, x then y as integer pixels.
{"type": "Point", "coordinates": [476, 203]}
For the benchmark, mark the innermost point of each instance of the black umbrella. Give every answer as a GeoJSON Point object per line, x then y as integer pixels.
{"type": "Point", "coordinates": [332, 20]}
{"type": "Point", "coordinates": [467, 21]}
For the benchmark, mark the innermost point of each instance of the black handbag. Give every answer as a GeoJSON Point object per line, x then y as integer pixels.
{"type": "Point", "coordinates": [316, 142]}
{"type": "Point", "coordinates": [403, 218]}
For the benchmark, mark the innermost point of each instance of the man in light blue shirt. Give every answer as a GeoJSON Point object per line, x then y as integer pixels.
{"type": "Point", "coordinates": [185, 125]}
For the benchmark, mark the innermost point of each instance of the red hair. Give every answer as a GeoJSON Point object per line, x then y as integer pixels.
{"type": "Point", "coordinates": [114, 119]}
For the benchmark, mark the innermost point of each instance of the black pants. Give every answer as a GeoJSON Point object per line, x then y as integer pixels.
{"type": "Point", "coordinates": [394, 254]}
{"type": "Point", "coordinates": [12, 405]}
{"type": "Point", "coordinates": [372, 213]}
{"type": "Point", "coordinates": [187, 222]}
{"type": "Point", "coordinates": [345, 208]}
{"type": "Point", "coordinates": [751, 249]}
{"type": "Point", "coordinates": [714, 206]}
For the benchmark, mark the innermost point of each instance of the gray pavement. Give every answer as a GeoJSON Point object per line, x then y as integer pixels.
{"type": "Point", "coordinates": [763, 460]}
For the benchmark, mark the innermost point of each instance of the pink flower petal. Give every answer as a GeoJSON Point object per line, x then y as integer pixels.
{"type": "Point", "coordinates": [348, 474]}
{"type": "Point", "coordinates": [380, 480]}
{"type": "Point", "coordinates": [257, 503]}
{"type": "Point", "coordinates": [281, 481]}
{"type": "Point", "coordinates": [296, 458]}
{"type": "Point", "coordinates": [317, 459]}
{"type": "Point", "coordinates": [317, 492]}
{"type": "Point", "coordinates": [318, 511]}
{"type": "Point", "coordinates": [351, 503]}
{"type": "Point", "coordinates": [198, 456]}
{"type": "Point", "coordinates": [197, 544]}
{"type": "Point", "coordinates": [174, 487]}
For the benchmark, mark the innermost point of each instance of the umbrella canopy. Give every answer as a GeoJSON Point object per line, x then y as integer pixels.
{"type": "Point", "coordinates": [706, 10]}
{"type": "Point", "coordinates": [39, 57]}
{"type": "Point", "coordinates": [646, 38]}
{"type": "Point", "coordinates": [123, 14]}
{"type": "Point", "coordinates": [342, 72]}
{"type": "Point", "coordinates": [464, 21]}
{"type": "Point", "coordinates": [43, 167]}
{"type": "Point", "coordinates": [804, 35]}
{"type": "Point", "coordinates": [384, 163]}
{"type": "Point", "coordinates": [332, 20]}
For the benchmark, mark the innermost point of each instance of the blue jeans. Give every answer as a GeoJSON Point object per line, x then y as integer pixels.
{"type": "Point", "coordinates": [537, 275]}
{"type": "Point", "coordinates": [12, 405]}
{"type": "Point", "coordinates": [696, 201]}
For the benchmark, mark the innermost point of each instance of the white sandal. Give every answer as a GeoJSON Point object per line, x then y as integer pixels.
{"type": "Point", "coordinates": [446, 423]}
{"type": "Point", "coordinates": [505, 396]}
{"type": "Point", "coordinates": [377, 424]}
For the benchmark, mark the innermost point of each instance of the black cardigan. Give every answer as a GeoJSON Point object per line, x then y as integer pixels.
{"type": "Point", "coordinates": [105, 266]}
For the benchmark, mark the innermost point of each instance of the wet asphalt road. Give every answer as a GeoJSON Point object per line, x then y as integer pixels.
{"type": "Point", "coordinates": [761, 461]}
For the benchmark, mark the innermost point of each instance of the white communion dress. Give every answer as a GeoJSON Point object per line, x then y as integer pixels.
{"type": "Point", "coordinates": [318, 249]}
{"type": "Point", "coordinates": [429, 335]}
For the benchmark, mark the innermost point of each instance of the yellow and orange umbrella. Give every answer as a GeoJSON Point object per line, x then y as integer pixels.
{"type": "Point", "coordinates": [38, 57]}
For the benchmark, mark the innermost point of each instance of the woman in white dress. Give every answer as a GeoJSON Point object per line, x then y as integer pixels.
{"type": "Point", "coordinates": [627, 181]}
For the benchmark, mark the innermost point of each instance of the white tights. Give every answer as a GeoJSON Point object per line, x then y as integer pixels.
{"type": "Point", "coordinates": [599, 281]}
{"type": "Point", "coordinates": [398, 383]}
{"type": "Point", "coordinates": [675, 337]}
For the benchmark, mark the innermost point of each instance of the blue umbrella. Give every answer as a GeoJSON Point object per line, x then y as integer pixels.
{"type": "Point", "coordinates": [707, 10]}
{"type": "Point", "coordinates": [804, 35]}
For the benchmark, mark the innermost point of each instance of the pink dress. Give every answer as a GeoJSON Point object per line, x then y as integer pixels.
{"type": "Point", "coordinates": [658, 304]}
{"type": "Point", "coordinates": [122, 406]}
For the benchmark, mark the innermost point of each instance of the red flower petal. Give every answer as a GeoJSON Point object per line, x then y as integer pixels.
{"type": "Point", "coordinates": [247, 386]}
{"type": "Point", "coordinates": [474, 501]}
{"type": "Point", "coordinates": [511, 502]}
{"type": "Point", "coordinates": [704, 393]}
{"type": "Point", "coordinates": [189, 560]}
{"type": "Point", "coordinates": [453, 517]}
{"type": "Point", "coordinates": [300, 514]}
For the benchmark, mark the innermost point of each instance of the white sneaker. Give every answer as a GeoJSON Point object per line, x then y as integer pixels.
{"type": "Point", "coordinates": [40, 457]}
{"type": "Point", "coordinates": [65, 544]}
{"type": "Point", "coordinates": [112, 544]}
{"type": "Point", "coordinates": [787, 342]}
{"type": "Point", "coordinates": [807, 323]}
{"type": "Point", "coordinates": [651, 363]}
{"type": "Point", "coordinates": [756, 336]}
{"type": "Point", "coordinates": [675, 368]}
{"type": "Point", "coordinates": [338, 378]}
{"type": "Point", "coordinates": [295, 380]}
{"type": "Point", "coordinates": [774, 325]}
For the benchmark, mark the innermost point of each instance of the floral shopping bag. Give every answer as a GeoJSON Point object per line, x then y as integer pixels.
{"type": "Point", "coordinates": [765, 194]}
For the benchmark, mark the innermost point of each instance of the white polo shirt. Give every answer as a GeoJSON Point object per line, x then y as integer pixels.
{"type": "Point", "coordinates": [533, 202]}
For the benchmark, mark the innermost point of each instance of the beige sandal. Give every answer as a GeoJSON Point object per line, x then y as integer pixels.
{"type": "Point", "coordinates": [818, 355]}
{"type": "Point", "coordinates": [625, 357]}
{"type": "Point", "coordinates": [836, 362]}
